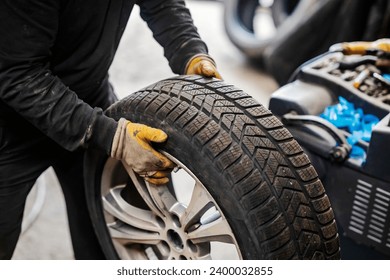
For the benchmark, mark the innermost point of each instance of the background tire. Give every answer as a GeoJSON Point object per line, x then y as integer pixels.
{"type": "Point", "coordinates": [287, 18]}
{"type": "Point", "coordinates": [281, 9]}
{"type": "Point", "coordinates": [260, 180]}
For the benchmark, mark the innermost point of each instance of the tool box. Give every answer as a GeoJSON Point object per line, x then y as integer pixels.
{"type": "Point", "coordinates": [358, 183]}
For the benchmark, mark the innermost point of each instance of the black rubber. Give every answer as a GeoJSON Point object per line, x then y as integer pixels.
{"type": "Point", "coordinates": [238, 21]}
{"type": "Point", "coordinates": [281, 9]}
{"type": "Point", "coordinates": [251, 165]}
{"type": "Point", "coordinates": [239, 16]}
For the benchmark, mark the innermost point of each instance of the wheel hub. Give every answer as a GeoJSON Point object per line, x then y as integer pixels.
{"type": "Point", "coordinates": [175, 240]}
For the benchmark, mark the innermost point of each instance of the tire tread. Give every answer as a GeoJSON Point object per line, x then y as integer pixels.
{"type": "Point", "coordinates": [274, 181]}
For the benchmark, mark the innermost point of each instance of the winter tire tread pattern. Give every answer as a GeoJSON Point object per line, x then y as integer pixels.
{"type": "Point", "coordinates": [287, 210]}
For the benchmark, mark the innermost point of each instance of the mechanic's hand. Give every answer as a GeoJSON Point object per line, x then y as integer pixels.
{"type": "Point", "coordinates": [203, 65]}
{"type": "Point", "coordinates": [132, 145]}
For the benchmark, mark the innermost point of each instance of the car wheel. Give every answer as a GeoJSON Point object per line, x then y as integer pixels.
{"type": "Point", "coordinates": [243, 187]}
{"type": "Point", "coordinates": [241, 16]}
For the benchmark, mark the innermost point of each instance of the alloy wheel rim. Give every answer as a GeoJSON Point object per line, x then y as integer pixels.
{"type": "Point", "coordinates": [180, 221]}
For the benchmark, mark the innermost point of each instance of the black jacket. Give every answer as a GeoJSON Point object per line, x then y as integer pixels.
{"type": "Point", "coordinates": [55, 55]}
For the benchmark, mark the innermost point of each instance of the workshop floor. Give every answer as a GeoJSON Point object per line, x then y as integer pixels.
{"type": "Point", "coordinates": [140, 62]}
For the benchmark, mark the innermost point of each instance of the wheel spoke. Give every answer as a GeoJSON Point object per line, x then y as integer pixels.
{"type": "Point", "coordinates": [142, 189]}
{"type": "Point", "coordinates": [217, 230]}
{"type": "Point", "coordinates": [200, 202]}
{"type": "Point", "coordinates": [158, 198]}
{"type": "Point", "coordinates": [161, 197]}
{"type": "Point", "coordinates": [162, 251]}
{"type": "Point", "coordinates": [116, 206]}
{"type": "Point", "coordinates": [126, 234]}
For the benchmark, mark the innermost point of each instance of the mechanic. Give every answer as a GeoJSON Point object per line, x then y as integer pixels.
{"type": "Point", "coordinates": [54, 61]}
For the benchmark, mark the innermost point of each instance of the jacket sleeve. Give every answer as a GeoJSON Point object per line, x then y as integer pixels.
{"type": "Point", "coordinates": [172, 26]}
{"type": "Point", "coordinates": [27, 31]}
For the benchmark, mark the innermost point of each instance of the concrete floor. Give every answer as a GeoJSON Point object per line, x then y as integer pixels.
{"type": "Point", "coordinates": [140, 62]}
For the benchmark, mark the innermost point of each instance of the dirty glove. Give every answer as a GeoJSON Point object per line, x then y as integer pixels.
{"type": "Point", "coordinates": [203, 65]}
{"type": "Point", "coordinates": [132, 145]}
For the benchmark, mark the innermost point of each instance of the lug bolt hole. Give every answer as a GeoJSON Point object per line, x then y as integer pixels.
{"type": "Point", "coordinates": [176, 221]}
{"type": "Point", "coordinates": [160, 222]}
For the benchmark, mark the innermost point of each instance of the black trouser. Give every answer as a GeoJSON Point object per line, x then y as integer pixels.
{"type": "Point", "coordinates": [24, 154]}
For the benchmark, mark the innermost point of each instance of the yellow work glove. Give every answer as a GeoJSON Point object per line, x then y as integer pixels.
{"type": "Point", "coordinates": [362, 48]}
{"type": "Point", "coordinates": [132, 145]}
{"type": "Point", "coordinates": [203, 65]}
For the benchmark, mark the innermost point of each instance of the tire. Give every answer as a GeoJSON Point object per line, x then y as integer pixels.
{"type": "Point", "coordinates": [250, 172]}
{"type": "Point", "coordinates": [239, 16]}
{"type": "Point", "coordinates": [282, 9]}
